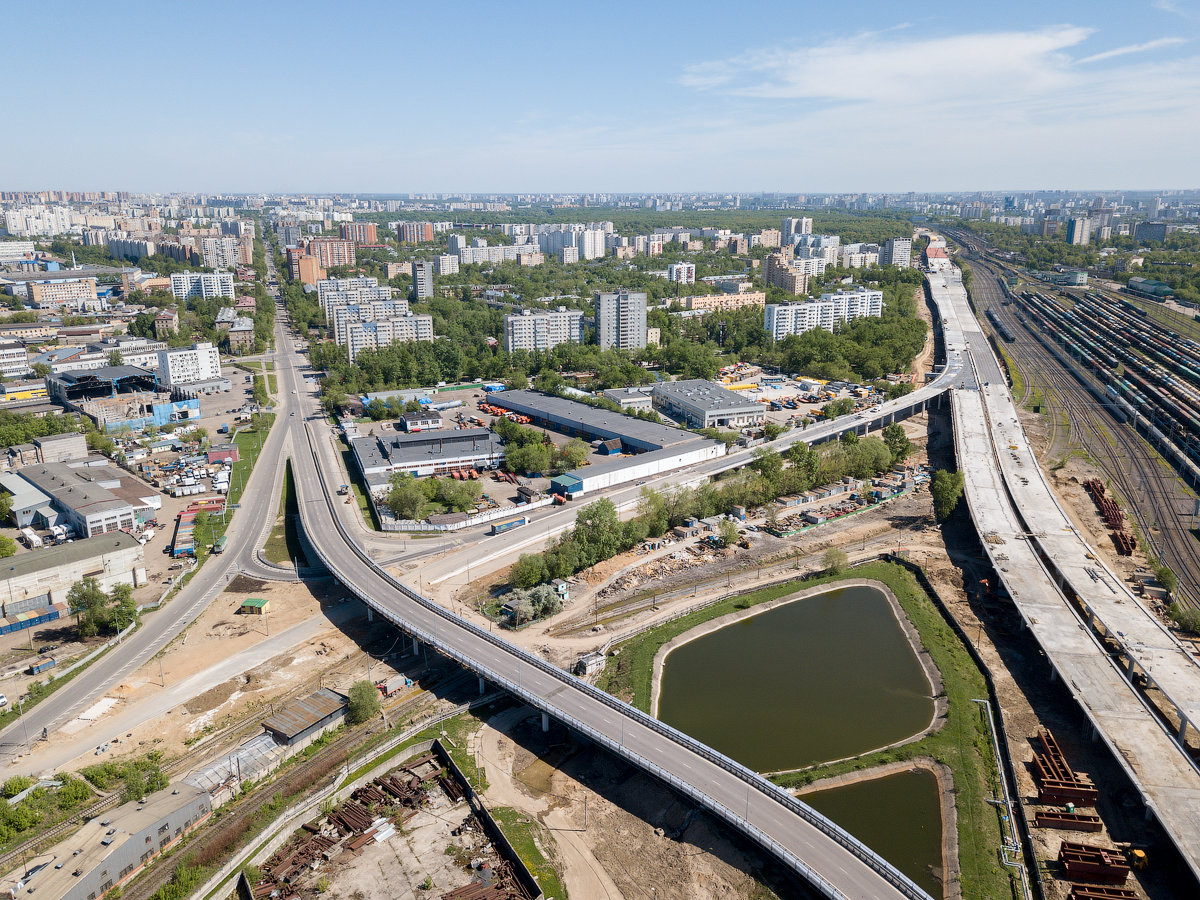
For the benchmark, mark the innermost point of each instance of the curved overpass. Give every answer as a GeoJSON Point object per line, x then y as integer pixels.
{"type": "Point", "coordinates": [828, 858]}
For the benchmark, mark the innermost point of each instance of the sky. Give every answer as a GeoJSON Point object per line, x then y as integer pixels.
{"type": "Point", "coordinates": [396, 97]}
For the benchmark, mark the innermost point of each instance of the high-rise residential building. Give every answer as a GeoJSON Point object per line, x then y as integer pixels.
{"type": "Point", "coordinates": [782, 319]}
{"type": "Point", "coordinates": [219, 252]}
{"type": "Point", "coordinates": [130, 248]}
{"type": "Point", "coordinates": [414, 232]}
{"type": "Point", "coordinates": [543, 329]}
{"type": "Point", "coordinates": [245, 250]}
{"type": "Point", "coordinates": [790, 229]}
{"type": "Point", "coordinates": [188, 365]}
{"type": "Point", "coordinates": [205, 285]}
{"type": "Point", "coordinates": [779, 272]}
{"type": "Point", "coordinates": [360, 232]}
{"type": "Point", "coordinates": [621, 320]}
{"type": "Point", "coordinates": [362, 336]}
{"type": "Point", "coordinates": [591, 243]}
{"type": "Point", "coordinates": [446, 264]}
{"type": "Point", "coordinates": [1079, 230]}
{"type": "Point", "coordinates": [896, 252]}
{"type": "Point", "coordinates": [422, 276]}
{"type": "Point", "coordinates": [568, 255]}
{"type": "Point", "coordinates": [341, 315]}
{"type": "Point", "coordinates": [769, 237]}
{"type": "Point", "coordinates": [682, 273]}
{"type": "Point", "coordinates": [457, 243]}
{"type": "Point", "coordinates": [858, 256]}
{"type": "Point", "coordinates": [332, 252]}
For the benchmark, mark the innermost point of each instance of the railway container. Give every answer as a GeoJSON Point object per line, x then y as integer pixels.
{"type": "Point", "coordinates": [501, 527]}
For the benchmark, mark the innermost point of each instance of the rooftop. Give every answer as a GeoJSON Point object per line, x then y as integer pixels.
{"type": "Point", "coordinates": [601, 423]}
{"type": "Point", "coordinates": [375, 452]}
{"type": "Point", "coordinates": [79, 488]}
{"type": "Point", "coordinates": [67, 554]}
{"type": "Point", "coordinates": [705, 395]}
{"type": "Point", "coordinates": [302, 714]}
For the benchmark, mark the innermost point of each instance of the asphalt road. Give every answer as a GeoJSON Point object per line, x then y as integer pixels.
{"type": "Point", "coordinates": [727, 789]}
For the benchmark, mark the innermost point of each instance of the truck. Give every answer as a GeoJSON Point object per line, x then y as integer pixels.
{"type": "Point", "coordinates": [493, 388]}
{"type": "Point", "coordinates": [59, 533]}
{"type": "Point", "coordinates": [32, 541]}
{"type": "Point", "coordinates": [501, 527]}
{"type": "Point", "coordinates": [393, 684]}
{"type": "Point", "coordinates": [224, 428]}
{"type": "Point", "coordinates": [219, 546]}
{"type": "Point", "coordinates": [343, 489]}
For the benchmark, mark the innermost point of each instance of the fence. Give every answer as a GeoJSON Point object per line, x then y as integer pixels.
{"type": "Point", "coordinates": [387, 523]}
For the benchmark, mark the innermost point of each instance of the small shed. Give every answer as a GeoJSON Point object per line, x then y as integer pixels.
{"type": "Point", "coordinates": [222, 452]}
{"type": "Point", "coordinates": [255, 606]}
{"type": "Point", "coordinates": [301, 721]}
{"type": "Point", "coordinates": [610, 447]}
{"type": "Point", "coordinates": [590, 664]}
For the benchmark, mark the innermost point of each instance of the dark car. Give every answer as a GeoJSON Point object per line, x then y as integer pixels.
{"type": "Point", "coordinates": [49, 648]}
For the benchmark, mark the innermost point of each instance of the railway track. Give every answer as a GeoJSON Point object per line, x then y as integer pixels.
{"type": "Point", "coordinates": [1153, 494]}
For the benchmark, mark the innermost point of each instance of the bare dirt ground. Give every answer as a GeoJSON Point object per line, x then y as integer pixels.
{"type": "Point", "coordinates": [637, 834]}
{"type": "Point", "coordinates": [924, 360]}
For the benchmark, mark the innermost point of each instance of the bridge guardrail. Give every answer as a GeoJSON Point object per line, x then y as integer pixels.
{"type": "Point", "coordinates": [826, 826]}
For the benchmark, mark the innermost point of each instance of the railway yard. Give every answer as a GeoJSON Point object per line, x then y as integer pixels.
{"type": "Point", "coordinates": [1068, 380]}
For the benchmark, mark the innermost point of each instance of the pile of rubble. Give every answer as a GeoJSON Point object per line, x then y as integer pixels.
{"type": "Point", "coordinates": [679, 561]}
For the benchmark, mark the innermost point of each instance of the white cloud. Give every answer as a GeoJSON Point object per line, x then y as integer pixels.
{"type": "Point", "coordinates": [1134, 48]}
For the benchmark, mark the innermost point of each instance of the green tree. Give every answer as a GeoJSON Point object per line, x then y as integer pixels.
{"type": "Point", "coordinates": [769, 464]}
{"type": "Point", "coordinates": [1166, 578]}
{"type": "Point", "coordinates": [41, 370]}
{"type": "Point", "coordinates": [115, 358]}
{"type": "Point", "coordinates": [528, 571]}
{"type": "Point", "coordinates": [728, 532]}
{"type": "Point", "coordinates": [573, 454]}
{"type": "Point", "coordinates": [897, 442]}
{"type": "Point", "coordinates": [8, 547]}
{"type": "Point", "coordinates": [135, 786]}
{"type": "Point", "coordinates": [947, 489]}
{"type": "Point", "coordinates": [835, 561]}
{"type": "Point", "coordinates": [363, 703]}
{"type": "Point", "coordinates": [88, 602]}
{"type": "Point", "coordinates": [405, 498]}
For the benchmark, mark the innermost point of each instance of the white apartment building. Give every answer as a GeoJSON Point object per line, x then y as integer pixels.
{"type": "Point", "coordinates": [790, 229]}
{"type": "Point", "coordinates": [188, 365]}
{"type": "Point", "coordinates": [821, 246]}
{"type": "Point", "coordinates": [446, 264]}
{"type": "Point", "coordinates": [591, 244]}
{"type": "Point", "coordinates": [361, 288]}
{"type": "Point", "coordinates": [542, 330]}
{"type": "Point", "coordinates": [28, 221]}
{"type": "Point", "coordinates": [205, 285]}
{"type": "Point", "coordinates": [362, 336]}
{"type": "Point", "coordinates": [220, 252]}
{"type": "Point", "coordinates": [621, 320]}
{"type": "Point", "coordinates": [682, 273]}
{"type": "Point", "coordinates": [896, 252]}
{"type": "Point", "coordinates": [342, 315]}
{"type": "Point", "coordinates": [568, 255]}
{"type": "Point", "coordinates": [782, 319]}
{"type": "Point", "coordinates": [859, 256]}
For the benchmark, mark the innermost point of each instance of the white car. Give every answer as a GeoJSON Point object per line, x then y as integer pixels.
{"type": "Point", "coordinates": [3, 700]}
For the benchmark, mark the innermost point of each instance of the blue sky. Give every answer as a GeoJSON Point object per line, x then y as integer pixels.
{"type": "Point", "coordinates": [615, 96]}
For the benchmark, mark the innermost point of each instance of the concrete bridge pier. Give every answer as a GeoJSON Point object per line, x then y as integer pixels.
{"type": "Point", "coordinates": [416, 647]}
{"type": "Point", "coordinates": [545, 721]}
{"type": "Point", "coordinates": [370, 614]}
{"type": "Point", "coordinates": [1183, 725]}
{"type": "Point", "coordinates": [482, 686]}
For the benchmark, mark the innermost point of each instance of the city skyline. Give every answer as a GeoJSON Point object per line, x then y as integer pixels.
{"type": "Point", "coordinates": [1018, 98]}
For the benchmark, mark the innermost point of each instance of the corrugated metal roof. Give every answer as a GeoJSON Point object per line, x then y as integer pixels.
{"type": "Point", "coordinates": [302, 714]}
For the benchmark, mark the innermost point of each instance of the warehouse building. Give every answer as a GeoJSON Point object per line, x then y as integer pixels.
{"type": "Point", "coordinates": [702, 404]}
{"type": "Point", "coordinates": [111, 849]}
{"type": "Point", "coordinates": [630, 398]}
{"type": "Point", "coordinates": [612, 473]}
{"type": "Point", "coordinates": [425, 453]}
{"type": "Point", "coordinates": [94, 500]}
{"type": "Point", "coordinates": [32, 581]}
{"type": "Point", "coordinates": [302, 721]}
{"type": "Point", "coordinates": [590, 423]}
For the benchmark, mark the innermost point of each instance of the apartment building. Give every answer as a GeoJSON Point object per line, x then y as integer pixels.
{"type": "Point", "coordinates": [446, 264]}
{"type": "Point", "coordinates": [791, 228]}
{"type": "Point", "coordinates": [724, 302]}
{"type": "Point", "coordinates": [188, 365]}
{"type": "Point", "coordinates": [542, 329]}
{"type": "Point", "coordinates": [782, 319]}
{"type": "Point", "coordinates": [682, 273]}
{"type": "Point", "coordinates": [362, 336]}
{"type": "Point", "coordinates": [130, 248]}
{"type": "Point", "coordinates": [778, 272]}
{"type": "Point", "coordinates": [352, 290]}
{"type": "Point", "coordinates": [341, 316]}
{"type": "Point", "coordinates": [205, 285]}
{"type": "Point", "coordinates": [332, 252]}
{"type": "Point", "coordinates": [359, 232]}
{"type": "Point", "coordinates": [621, 320]}
{"type": "Point", "coordinates": [219, 252]}
{"type": "Point", "coordinates": [414, 232]}
{"type": "Point", "coordinates": [241, 335]}
{"type": "Point", "coordinates": [896, 252]}
{"type": "Point", "coordinates": [422, 279]}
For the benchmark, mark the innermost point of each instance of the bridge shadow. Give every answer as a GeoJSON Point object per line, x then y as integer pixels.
{"type": "Point", "coordinates": [560, 767]}
{"type": "Point", "coordinates": [1050, 704]}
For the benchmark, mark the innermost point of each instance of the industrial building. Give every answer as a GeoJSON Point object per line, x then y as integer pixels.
{"type": "Point", "coordinates": [425, 453]}
{"type": "Point", "coordinates": [120, 398]}
{"type": "Point", "coordinates": [599, 476]}
{"type": "Point", "coordinates": [302, 721]}
{"type": "Point", "coordinates": [111, 849]}
{"type": "Point", "coordinates": [702, 404]}
{"type": "Point", "coordinates": [630, 398]}
{"type": "Point", "coordinates": [590, 423]}
{"type": "Point", "coordinates": [94, 500]}
{"type": "Point", "coordinates": [34, 581]}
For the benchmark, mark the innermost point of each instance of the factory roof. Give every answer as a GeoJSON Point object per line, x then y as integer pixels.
{"type": "Point", "coordinates": [300, 715]}
{"type": "Point", "coordinates": [420, 447]}
{"type": "Point", "coordinates": [601, 423]}
{"type": "Point", "coordinates": [67, 554]}
{"type": "Point", "coordinates": [78, 488]}
{"type": "Point", "coordinates": [705, 395]}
